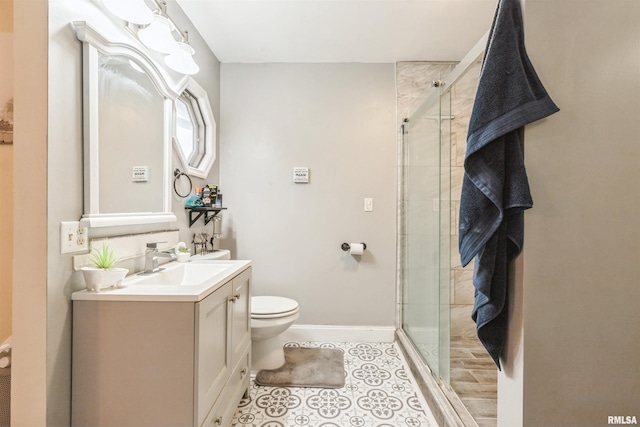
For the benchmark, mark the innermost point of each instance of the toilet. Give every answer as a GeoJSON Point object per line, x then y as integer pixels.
{"type": "Point", "coordinates": [270, 317]}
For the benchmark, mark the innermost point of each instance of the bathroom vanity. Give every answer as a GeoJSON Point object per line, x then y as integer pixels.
{"type": "Point", "coordinates": [169, 349]}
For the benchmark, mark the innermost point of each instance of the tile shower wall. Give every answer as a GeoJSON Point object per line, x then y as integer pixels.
{"type": "Point", "coordinates": [462, 293]}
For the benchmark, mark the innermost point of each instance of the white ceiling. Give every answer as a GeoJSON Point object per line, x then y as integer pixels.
{"type": "Point", "coordinates": [340, 30]}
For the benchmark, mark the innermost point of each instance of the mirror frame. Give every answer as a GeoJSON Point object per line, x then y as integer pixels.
{"type": "Point", "coordinates": [210, 132]}
{"type": "Point", "coordinates": [94, 44]}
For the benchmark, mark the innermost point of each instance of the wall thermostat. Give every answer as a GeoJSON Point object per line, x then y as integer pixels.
{"type": "Point", "coordinates": [300, 175]}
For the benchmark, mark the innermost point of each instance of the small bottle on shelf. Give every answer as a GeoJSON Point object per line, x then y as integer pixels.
{"type": "Point", "coordinates": [206, 196]}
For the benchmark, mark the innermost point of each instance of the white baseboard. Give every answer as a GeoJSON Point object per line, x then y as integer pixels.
{"type": "Point", "coordinates": [331, 333]}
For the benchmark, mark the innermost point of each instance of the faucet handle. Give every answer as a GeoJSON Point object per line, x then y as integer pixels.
{"type": "Point", "coordinates": [154, 245]}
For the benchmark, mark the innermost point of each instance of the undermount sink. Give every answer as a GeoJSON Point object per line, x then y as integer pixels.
{"type": "Point", "coordinates": [182, 274]}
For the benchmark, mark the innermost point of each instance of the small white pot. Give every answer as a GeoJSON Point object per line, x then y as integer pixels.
{"type": "Point", "coordinates": [183, 256]}
{"type": "Point", "coordinates": [100, 278]}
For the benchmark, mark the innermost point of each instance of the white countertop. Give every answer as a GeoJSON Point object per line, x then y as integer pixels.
{"type": "Point", "coordinates": [140, 287]}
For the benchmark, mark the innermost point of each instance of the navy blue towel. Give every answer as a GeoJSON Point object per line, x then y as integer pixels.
{"type": "Point", "coordinates": [495, 190]}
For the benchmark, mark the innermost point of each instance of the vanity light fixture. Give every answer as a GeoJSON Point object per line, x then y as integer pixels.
{"type": "Point", "coordinates": [181, 60]}
{"type": "Point", "coordinates": [158, 35]}
{"type": "Point", "coordinates": [134, 11]}
{"type": "Point", "coordinates": [156, 31]}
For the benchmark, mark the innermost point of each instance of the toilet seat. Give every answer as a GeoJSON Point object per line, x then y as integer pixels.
{"type": "Point", "coordinates": [269, 307]}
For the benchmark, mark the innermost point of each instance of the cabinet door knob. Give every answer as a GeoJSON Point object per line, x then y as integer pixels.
{"type": "Point", "coordinates": [243, 371]}
{"type": "Point", "coordinates": [235, 297]}
{"type": "Point", "coordinates": [219, 421]}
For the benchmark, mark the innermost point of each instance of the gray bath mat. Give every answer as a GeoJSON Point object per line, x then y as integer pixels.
{"type": "Point", "coordinates": [306, 367]}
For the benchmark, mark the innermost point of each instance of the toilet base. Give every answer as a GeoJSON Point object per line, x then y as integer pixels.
{"type": "Point", "coordinates": [267, 354]}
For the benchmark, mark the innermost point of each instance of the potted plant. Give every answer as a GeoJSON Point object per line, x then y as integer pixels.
{"type": "Point", "coordinates": [104, 273]}
{"type": "Point", "coordinates": [183, 254]}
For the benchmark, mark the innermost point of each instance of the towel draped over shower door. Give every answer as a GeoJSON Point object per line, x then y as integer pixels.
{"type": "Point", "coordinates": [495, 190]}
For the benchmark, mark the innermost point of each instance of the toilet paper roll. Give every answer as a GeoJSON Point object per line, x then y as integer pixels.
{"type": "Point", "coordinates": [356, 248]}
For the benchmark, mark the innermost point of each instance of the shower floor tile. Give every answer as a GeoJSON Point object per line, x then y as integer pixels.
{"type": "Point", "coordinates": [474, 378]}
{"type": "Point", "coordinates": [379, 392]}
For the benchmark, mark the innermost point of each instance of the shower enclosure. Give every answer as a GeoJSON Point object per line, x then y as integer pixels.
{"type": "Point", "coordinates": [435, 290]}
{"type": "Point", "coordinates": [427, 225]}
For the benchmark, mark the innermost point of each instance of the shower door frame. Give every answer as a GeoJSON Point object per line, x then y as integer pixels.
{"type": "Point", "coordinates": [441, 399]}
{"type": "Point", "coordinates": [426, 233]}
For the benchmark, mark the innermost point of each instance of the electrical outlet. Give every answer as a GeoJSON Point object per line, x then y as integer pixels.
{"type": "Point", "coordinates": [73, 238]}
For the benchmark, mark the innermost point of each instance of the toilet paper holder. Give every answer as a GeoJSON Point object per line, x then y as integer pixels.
{"type": "Point", "coordinates": [346, 247]}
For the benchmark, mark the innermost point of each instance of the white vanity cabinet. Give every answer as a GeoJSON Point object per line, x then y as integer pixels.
{"type": "Point", "coordinates": [227, 368]}
{"type": "Point", "coordinates": [162, 363]}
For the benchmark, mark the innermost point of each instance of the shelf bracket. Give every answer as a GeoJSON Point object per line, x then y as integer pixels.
{"type": "Point", "coordinates": [209, 214]}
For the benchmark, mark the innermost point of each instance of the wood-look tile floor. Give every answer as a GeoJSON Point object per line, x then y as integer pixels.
{"type": "Point", "coordinates": [474, 378]}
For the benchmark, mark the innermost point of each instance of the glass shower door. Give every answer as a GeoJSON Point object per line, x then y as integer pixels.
{"type": "Point", "coordinates": [427, 232]}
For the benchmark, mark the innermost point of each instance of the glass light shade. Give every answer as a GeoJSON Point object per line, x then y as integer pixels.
{"type": "Point", "coordinates": [134, 11]}
{"type": "Point", "coordinates": [157, 36]}
{"type": "Point", "coordinates": [181, 60]}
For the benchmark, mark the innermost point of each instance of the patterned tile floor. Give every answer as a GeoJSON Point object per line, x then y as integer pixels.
{"type": "Point", "coordinates": [379, 392]}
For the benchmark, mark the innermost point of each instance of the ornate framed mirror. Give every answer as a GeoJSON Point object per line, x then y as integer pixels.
{"type": "Point", "coordinates": [128, 104]}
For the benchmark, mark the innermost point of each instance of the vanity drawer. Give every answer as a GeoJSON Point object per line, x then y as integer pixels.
{"type": "Point", "coordinates": [239, 382]}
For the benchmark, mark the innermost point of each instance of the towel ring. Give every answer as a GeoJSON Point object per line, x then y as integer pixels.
{"type": "Point", "coordinates": [177, 173]}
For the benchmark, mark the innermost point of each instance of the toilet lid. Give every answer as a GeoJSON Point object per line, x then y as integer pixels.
{"type": "Point", "coordinates": [264, 305]}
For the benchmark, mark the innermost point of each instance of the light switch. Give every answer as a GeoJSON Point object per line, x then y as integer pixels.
{"type": "Point", "coordinates": [368, 204]}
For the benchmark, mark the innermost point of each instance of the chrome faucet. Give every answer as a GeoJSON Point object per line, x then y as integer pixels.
{"type": "Point", "coordinates": [151, 257]}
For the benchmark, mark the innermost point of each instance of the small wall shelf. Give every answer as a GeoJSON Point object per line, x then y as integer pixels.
{"type": "Point", "coordinates": [208, 212]}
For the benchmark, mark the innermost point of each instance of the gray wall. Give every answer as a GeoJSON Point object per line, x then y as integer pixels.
{"type": "Point", "coordinates": [338, 120]}
{"type": "Point", "coordinates": [50, 148]}
{"type": "Point", "coordinates": [573, 356]}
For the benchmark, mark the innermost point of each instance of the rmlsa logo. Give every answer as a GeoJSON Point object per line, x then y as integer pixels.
{"type": "Point", "coordinates": [621, 419]}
